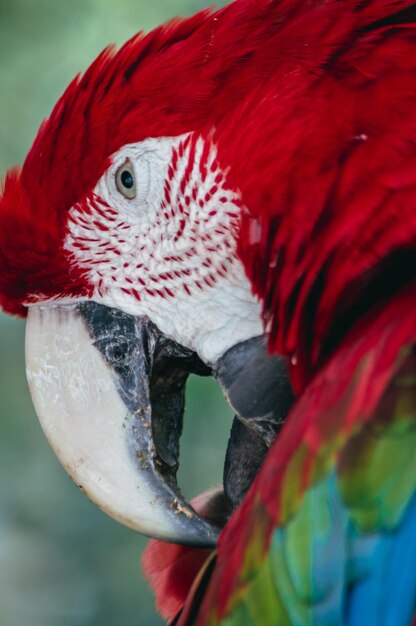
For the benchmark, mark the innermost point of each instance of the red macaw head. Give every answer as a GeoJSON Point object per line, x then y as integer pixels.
{"type": "Point", "coordinates": [119, 241]}
{"type": "Point", "coordinates": [257, 141]}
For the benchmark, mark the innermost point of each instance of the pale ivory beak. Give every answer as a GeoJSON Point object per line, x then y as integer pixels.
{"type": "Point", "coordinates": [98, 418]}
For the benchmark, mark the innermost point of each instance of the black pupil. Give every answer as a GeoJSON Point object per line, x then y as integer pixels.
{"type": "Point", "coordinates": [127, 179]}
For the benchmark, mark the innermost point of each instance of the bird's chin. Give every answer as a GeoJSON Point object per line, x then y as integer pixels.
{"type": "Point", "coordinates": [109, 392]}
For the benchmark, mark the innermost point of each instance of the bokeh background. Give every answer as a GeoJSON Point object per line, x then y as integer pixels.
{"type": "Point", "coordinates": [62, 561]}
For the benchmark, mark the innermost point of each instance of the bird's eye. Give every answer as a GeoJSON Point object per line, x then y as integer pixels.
{"type": "Point", "coordinates": [125, 180]}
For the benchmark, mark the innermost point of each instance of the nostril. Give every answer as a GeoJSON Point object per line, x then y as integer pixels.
{"type": "Point", "coordinates": [116, 353]}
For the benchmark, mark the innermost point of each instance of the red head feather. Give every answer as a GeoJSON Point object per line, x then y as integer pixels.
{"type": "Point", "coordinates": [184, 76]}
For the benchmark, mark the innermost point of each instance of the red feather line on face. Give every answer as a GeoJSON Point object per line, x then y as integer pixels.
{"type": "Point", "coordinates": [101, 239]}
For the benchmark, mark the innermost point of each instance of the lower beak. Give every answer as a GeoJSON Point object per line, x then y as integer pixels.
{"type": "Point", "coordinates": [108, 389]}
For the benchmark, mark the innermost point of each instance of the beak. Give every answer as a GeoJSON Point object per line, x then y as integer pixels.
{"type": "Point", "coordinates": [257, 387]}
{"type": "Point", "coordinates": [108, 389]}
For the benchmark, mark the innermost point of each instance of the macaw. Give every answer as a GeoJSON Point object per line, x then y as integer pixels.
{"type": "Point", "coordinates": [233, 195]}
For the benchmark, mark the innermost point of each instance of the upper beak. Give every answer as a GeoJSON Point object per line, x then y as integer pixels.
{"type": "Point", "coordinates": [109, 392]}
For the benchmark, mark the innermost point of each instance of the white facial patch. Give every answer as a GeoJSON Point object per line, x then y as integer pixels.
{"type": "Point", "coordinates": [169, 252]}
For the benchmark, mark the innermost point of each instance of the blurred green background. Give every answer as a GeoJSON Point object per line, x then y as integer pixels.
{"type": "Point", "coordinates": [62, 561]}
